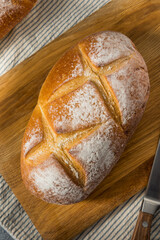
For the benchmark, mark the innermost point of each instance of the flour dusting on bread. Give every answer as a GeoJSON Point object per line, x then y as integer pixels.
{"type": "Point", "coordinates": [128, 91]}
{"type": "Point", "coordinates": [50, 179]}
{"type": "Point", "coordinates": [6, 6]}
{"type": "Point", "coordinates": [77, 70]}
{"type": "Point", "coordinates": [33, 136]}
{"type": "Point", "coordinates": [102, 88]}
{"type": "Point", "coordinates": [80, 109]}
{"type": "Point", "coordinates": [98, 158]}
{"type": "Point", "coordinates": [105, 48]}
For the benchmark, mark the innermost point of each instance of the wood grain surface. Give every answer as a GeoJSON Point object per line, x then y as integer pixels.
{"type": "Point", "coordinates": [143, 226]}
{"type": "Point", "coordinates": [19, 88]}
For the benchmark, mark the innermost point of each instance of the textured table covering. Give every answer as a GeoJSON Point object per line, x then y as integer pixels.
{"type": "Point", "coordinates": [48, 20]}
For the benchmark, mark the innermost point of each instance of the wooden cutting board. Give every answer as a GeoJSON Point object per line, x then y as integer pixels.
{"type": "Point", "coordinates": [19, 88]}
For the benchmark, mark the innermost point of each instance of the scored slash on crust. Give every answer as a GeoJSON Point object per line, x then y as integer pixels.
{"type": "Point", "coordinates": [51, 144]}
{"type": "Point", "coordinates": [83, 112]}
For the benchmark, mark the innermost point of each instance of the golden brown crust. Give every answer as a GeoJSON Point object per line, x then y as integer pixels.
{"type": "Point", "coordinates": [69, 67]}
{"type": "Point", "coordinates": [88, 108]}
{"type": "Point", "coordinates": [65, 112]}
{"type": "Point", "coordinates": [12, 12]}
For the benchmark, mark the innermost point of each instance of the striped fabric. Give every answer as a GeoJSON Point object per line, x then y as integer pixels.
{"type": "Point", "coordinates": [119, 224]}
{"type": "Point", "coordinates": [47, 20]}
{"type": "Point", "coordinates": [13, 218]}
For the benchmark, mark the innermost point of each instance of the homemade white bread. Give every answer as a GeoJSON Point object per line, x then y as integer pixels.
{"type": "Point", "coordinates": [12, 12]}
{"type": "Point", "coordinates": [88, 108]}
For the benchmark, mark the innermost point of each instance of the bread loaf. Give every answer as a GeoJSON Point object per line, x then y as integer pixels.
{"type": "Point", "coordinates": [88, 108]}
{"type": "Point", "coordinates": [12, 12]}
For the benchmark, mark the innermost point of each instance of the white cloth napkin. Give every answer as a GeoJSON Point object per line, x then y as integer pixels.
{"type": "Point", "coordinates": [46, 21]}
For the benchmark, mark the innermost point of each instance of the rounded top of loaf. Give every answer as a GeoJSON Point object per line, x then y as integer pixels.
{"type": "Point", "coordinates": [88, 108]}
{"type": "Point", "coordinates": [12, 12]}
